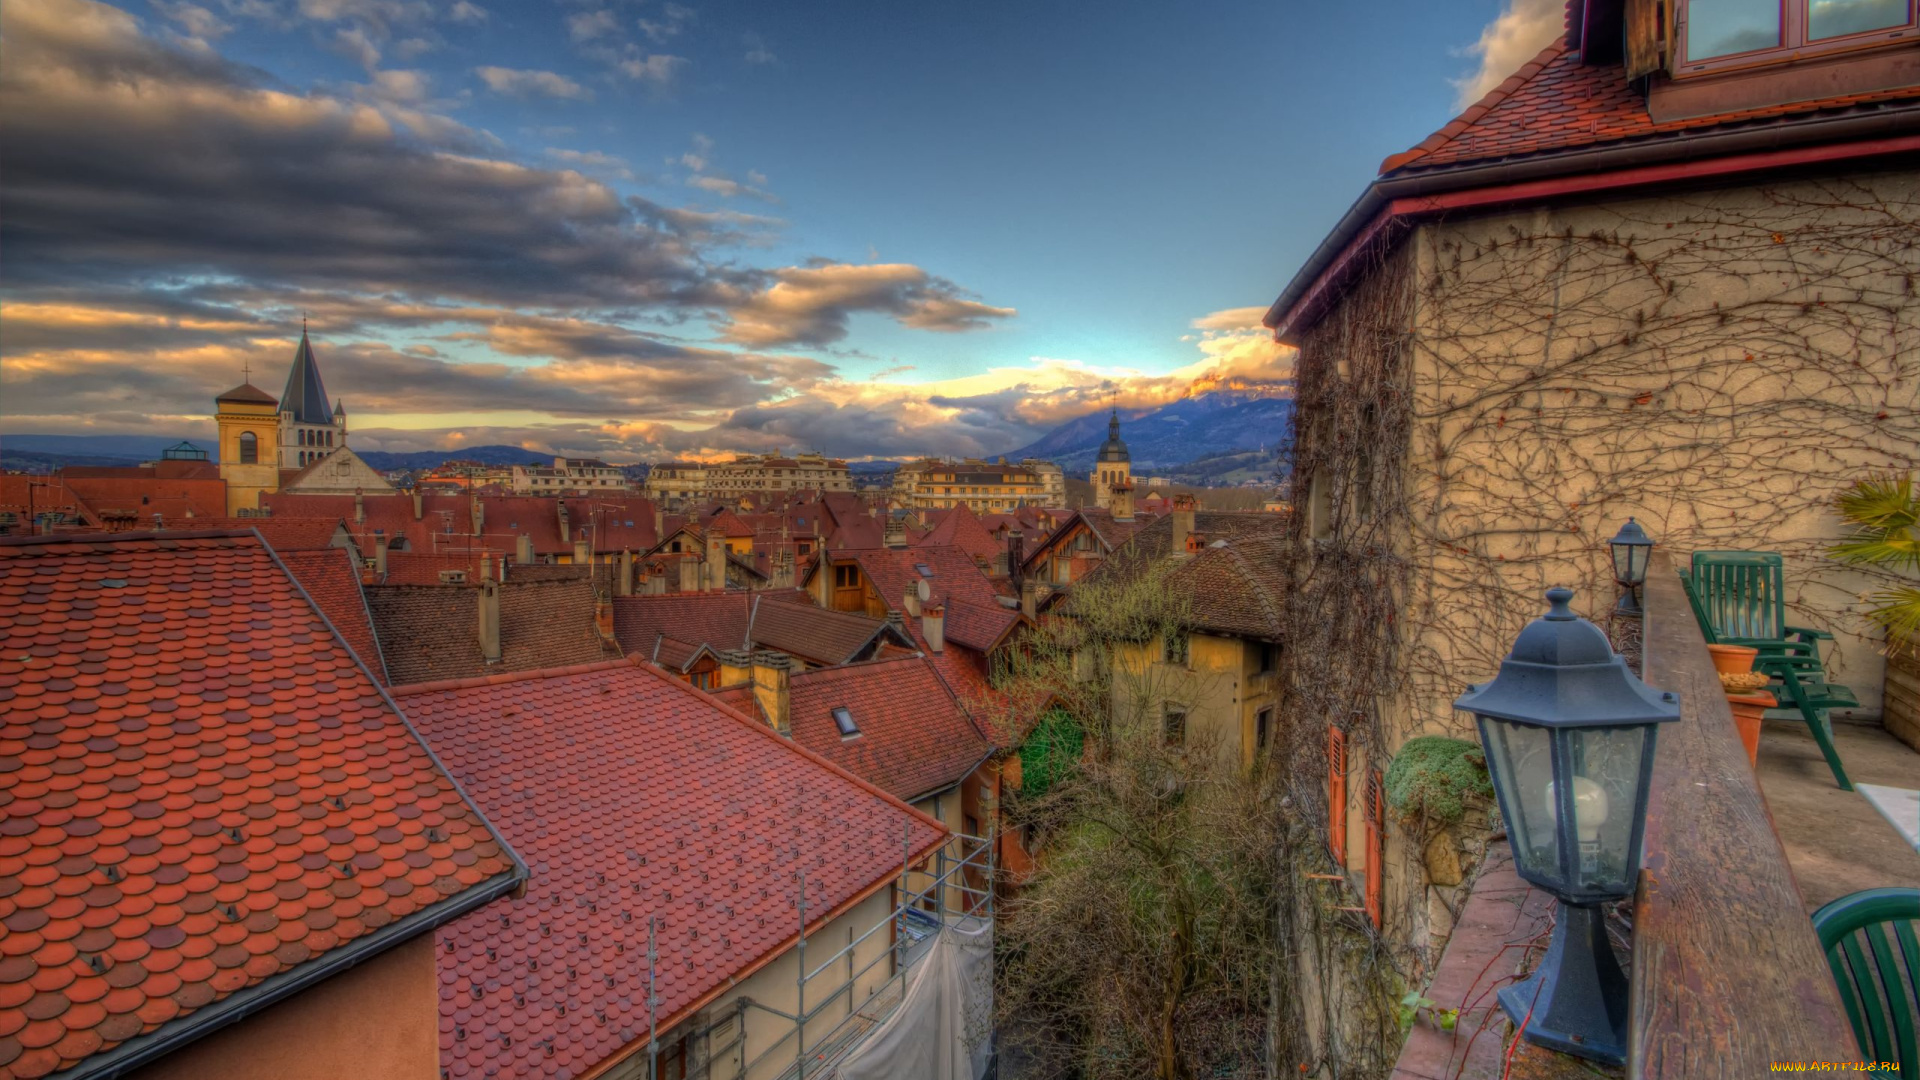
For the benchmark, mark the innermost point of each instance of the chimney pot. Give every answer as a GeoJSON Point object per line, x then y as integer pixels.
{"type": "Point", "coordinates": [933, 626]}
{"type": "Point", "coordinates": [488, 603]}
{"type": "Point", "coordinates": [380, 554]}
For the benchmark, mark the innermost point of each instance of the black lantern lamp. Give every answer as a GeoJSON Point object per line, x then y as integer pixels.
{"type": "Point", "coordinates": [1569, 734]}
{"type": "Point", "coordinates": [1631, 546]}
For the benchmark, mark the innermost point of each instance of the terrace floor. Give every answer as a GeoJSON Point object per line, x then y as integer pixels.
{"type": "Point", "coordinates": [1836, 843]}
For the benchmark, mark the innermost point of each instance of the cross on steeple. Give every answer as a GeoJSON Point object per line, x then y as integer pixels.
{"type": "Point", "coordinates": [246, 371]}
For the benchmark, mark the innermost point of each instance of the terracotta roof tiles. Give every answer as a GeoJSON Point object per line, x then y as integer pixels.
{"type": "Point", "coordinates": [202, 790]}
{"type": "Point", "coordinates": [331, 578]}
{"type": "Point", "coordinates": [590, 770]}
{"type": "Point", "coordinates": [431, 632]}
{"type": "Point", "coordinates": [914, 739]}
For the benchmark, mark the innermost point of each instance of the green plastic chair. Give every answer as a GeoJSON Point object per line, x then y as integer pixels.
{"type": "Point", "coordinates": [1870, 942]}
{"type": "Point", "coordinates": [1739, 598]}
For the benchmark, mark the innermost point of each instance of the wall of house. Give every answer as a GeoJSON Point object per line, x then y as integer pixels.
{"type": "Point", "coordinates": [1218, 686]}
{"type": "Point", "coordinates": [245, 483]}
{"type": "Point", "coordinates": [379, 1020]}
{"type": "Point", "coordinates": [1494, 398]}
{"type": "Point", "coordinates": [771, 1043]}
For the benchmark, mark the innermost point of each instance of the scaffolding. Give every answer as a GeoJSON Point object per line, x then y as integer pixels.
{"type": "Point", "coordinates": [944, 901]}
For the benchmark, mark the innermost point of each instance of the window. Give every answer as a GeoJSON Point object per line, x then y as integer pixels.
{"type": "Point", "coordinates": [1269, 658]}
{"type": "Point", "coordinates": [249, 448]}
{"type": "Point", "coordinates": [1173, 727]}
{"type": "Point", "coordinates": [1337, 794]}
{"type": "Point", "coordinates": [843, 720]}
{"type": "Point", "coordinates": [1713, 31]}
{"type": "Point", "coordinates": [973, 825]}
{"type": "Point", "coordinates": [846, 576]}
{"type": "Point", "coordinates": [1262, 727]}
{"type": "Point", "coordinates": [923, 569]}
{"type": "Point", "coordinates": [1174, 646]}
{"type": "Point", "coordinates": [702, 679]}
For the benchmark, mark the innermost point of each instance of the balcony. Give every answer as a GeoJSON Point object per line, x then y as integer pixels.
{"type": "Point", "coordinates": [1727, 975]}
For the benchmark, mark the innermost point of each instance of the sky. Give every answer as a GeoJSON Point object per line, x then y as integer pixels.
{"type": "Point", "coordinates": [644, 229]}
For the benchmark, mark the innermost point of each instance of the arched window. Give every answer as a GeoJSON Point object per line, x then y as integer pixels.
{"type": "Point", "coordinates": [249, 448]}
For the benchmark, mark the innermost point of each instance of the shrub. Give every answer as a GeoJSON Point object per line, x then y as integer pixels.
{"type": "Point", "coordinates": [1433, 777]}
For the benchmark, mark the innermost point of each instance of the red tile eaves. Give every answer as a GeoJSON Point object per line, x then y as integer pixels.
{"type": "Point", "coordinates": [235, 796]}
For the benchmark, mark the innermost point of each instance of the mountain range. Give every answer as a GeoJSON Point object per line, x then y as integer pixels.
{"type": "Point", "coordinates": [1210, 421]}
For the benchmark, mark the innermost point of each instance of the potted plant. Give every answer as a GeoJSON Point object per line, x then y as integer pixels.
{"type": "Point", "coordinates": [1885, 516]}
{"type": "Point", "coordinates": [1732, 659]}
{"type": "Point", "coordinates": [1749, 699]}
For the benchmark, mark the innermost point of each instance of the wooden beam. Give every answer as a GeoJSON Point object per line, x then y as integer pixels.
{"type": "Point", "coordinates": [1727, 972]}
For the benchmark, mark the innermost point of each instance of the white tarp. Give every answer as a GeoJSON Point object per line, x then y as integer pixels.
{"type": "Point", "coordinates": [943, 1027]}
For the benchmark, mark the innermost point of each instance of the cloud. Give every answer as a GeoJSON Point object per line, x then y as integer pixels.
{"type": "Point", "coordinates": [526, 83]}
{"type": "Point", "coordinates": [464, 11]}
{"type": "Point", "coordinates": [673, 20]}
{"type": "Point", "coordinates": [1515, 36]}
{"type": "Point", "coordinates": [195, 20]}
{"type": "Point", "coordinates": [658, 70]}
{"type": "Point", "coordinates": [354, 44]}
{"type": "Point", "coordinates": [700, 160]}
{"type": "Point", "coordinates": [591, 161]}
{"type": "Point", "coordinates": [587, 25]}
{"type": "Point", "coordinates": [811, 305]}
{"type": "Point", "coordinates": [757, 51]}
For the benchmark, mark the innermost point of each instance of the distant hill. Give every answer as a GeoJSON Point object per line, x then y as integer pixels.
{"type": "Point", "coordinates": [427, 459]}
{"type": "Point", "coordinates": [97, 449]}
{"type": "Point", "coordinates": [1243, 418]}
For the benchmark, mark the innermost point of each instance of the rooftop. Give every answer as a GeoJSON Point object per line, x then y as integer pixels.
{"type": "Point", "coordinates": [636, 797]}
{"type": "Point", "coordinates": [205, 794]}
{"type": "Point", "coordinates": [914, 738]}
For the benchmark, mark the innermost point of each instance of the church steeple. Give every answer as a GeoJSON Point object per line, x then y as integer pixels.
{"type": "Point", "coordinates": [305, 396]}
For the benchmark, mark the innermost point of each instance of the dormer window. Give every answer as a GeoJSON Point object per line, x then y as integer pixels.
{"type": "Point", "coordinates": [1719, 34]}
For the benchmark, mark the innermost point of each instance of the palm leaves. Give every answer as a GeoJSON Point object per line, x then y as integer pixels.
{"type": "Point", "coordinates": [1885, 516]}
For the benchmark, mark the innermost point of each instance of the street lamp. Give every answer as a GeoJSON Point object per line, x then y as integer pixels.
{"type": "Point", "coordinates": [1569, 735]}
{"type": "Point", "coordinates": [1630, 545]}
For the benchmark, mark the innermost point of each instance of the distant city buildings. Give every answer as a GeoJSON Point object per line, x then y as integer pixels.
{"type": "Point", "coordinates": [982, 486]}
{"type": "Point", "coordinates": [567, 474]}
{"type": "Point", "coordinates": [681, 481]}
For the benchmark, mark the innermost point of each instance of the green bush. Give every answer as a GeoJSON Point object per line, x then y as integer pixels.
{"type": "Point", "coordinates": [1433, 777]}
{"type": "Point", "coordinates": [1050, 753]}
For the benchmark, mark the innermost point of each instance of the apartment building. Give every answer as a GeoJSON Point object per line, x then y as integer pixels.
{"type": "Point", "coordinates": [985, 486]}
{"type": "Point", "coordinates": [567, 474]}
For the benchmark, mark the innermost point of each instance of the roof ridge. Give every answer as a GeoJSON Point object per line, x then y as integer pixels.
{"type": "Point", "coordinates": [442, 685]}
{"type": "Point", "coordinates": [851, 664]}
{"type": "Point", "coordinates": [1470, 115]}
{"type": "Point", "coordinates": [118, 537]}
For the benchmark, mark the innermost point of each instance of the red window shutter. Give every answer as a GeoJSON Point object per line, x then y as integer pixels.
{"type": "Point", "coordinates": [1376, 845]}
{"type": "Point", "coordinates": [1337, 794]}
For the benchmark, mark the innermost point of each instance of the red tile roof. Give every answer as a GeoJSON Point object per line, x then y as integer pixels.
{"type": "Point", "coordinates": [1556, 102]}
{"type": "Point", "coordinates": [914, 739]}
{"type": "Point", "coordinates": [332, 578]}
{"type": "Point", "coordinates": [893, 571]}
{"type": "Point", "coordinates": [959, 528]}
{"type": "Point", "coordinates": [425, 568]}
{"type": "Point", "coordinates": [978, 626]}
{"type": "Point", "coordinates": [202, 790]}
{"type": "Point", "coordinates": [717, 619]}
{"type": "Point", "coordinates": [634, 796]}
{"type": "Point", "coordinates": [284, 533]}
{"type": "Point", "coordinates": [811, 633]}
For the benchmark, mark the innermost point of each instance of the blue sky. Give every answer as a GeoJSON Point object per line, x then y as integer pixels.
{"type": "Point", "coordinates": [952, 223]}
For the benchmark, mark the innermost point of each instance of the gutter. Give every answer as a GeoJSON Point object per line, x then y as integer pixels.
{"type": "Point", "coordinates": [1614, 167]}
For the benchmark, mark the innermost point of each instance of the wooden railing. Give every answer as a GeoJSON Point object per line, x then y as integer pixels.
{"type": "Point", "coordinates": [1727, 973]}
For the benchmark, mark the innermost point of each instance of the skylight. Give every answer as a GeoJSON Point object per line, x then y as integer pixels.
{"type": "Point", "coordinates": [925, 570]}
{"type": "Point", "coordinates": [843, 720]}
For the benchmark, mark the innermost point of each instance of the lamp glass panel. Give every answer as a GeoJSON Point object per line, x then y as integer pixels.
{"type": "Point", "coordinates": [1605, 763]}
{"type": "Point", "coordinates": [1521, 757]}
{"type": "Point", "coordinates": [1630, 562]}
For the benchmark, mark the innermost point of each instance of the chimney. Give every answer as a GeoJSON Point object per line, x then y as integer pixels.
{"type": "Point", "coordinates": [1182, 525]}
{"type": "Point", "coordinates": [488, 601]}
{"type": "Point", "coordinates": [486, 566]}
{"type": "Point", "coordinates": [1016, 555]}
{"type": "Point", "coordinates": [690, 571]}
{"type": "Point", "coordinates": [603, 616]}
{"type": "Point", "coordinates": [1123, 501]}
{"type": "Point", "coordinates": [566, 527]}
{"type": "Point", "coordinates": [359, 507]}
{"type": "Point", "coordinates": [716, 560]}
{"type": "Point", "coordinates": [479, 514]}
{"type": "Point", "coordinates": [933, 626]}
{"type": "Point", "coordinates": [582, 552]}
{"type": "Point", "coordinates": [736, 667]}
{"type": "Point", "coordinates": [624, 581]}
{"type": "Point", "coordinates": [523, 549]}
{"type": "Point", "coordinates": [896, 531]}
{"type": "Point", "coordinates": [894, 620]}
{"type": "Point", "coordinates": [770, 688]}
{"type": "Point", "coordinates": [416, 504]}
{"type": "Point", "coordinates": [1030, 598]}
{"type": "Point", "coordinates": [659, 521]}
{"type": "Point", "coordinates": [380, 554]}
{"type": "Point", "coordinates": [911, 602]}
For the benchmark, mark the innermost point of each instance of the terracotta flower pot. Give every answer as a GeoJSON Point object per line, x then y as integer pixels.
{"type": "Point", "coordinates": [1732, 659]}
{"type": "Point", "coordinates": [1747, 711]}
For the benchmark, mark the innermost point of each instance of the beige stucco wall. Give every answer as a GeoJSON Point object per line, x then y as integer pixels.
{"type": "Point", "coordinates": [1717, 364]}
{"type": "Point", "coordinates": [379, 1020]}
{"type": "Point", "coordinates": [245, 483]}
{"type": "Point", "coordinates": [1219, 686]}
